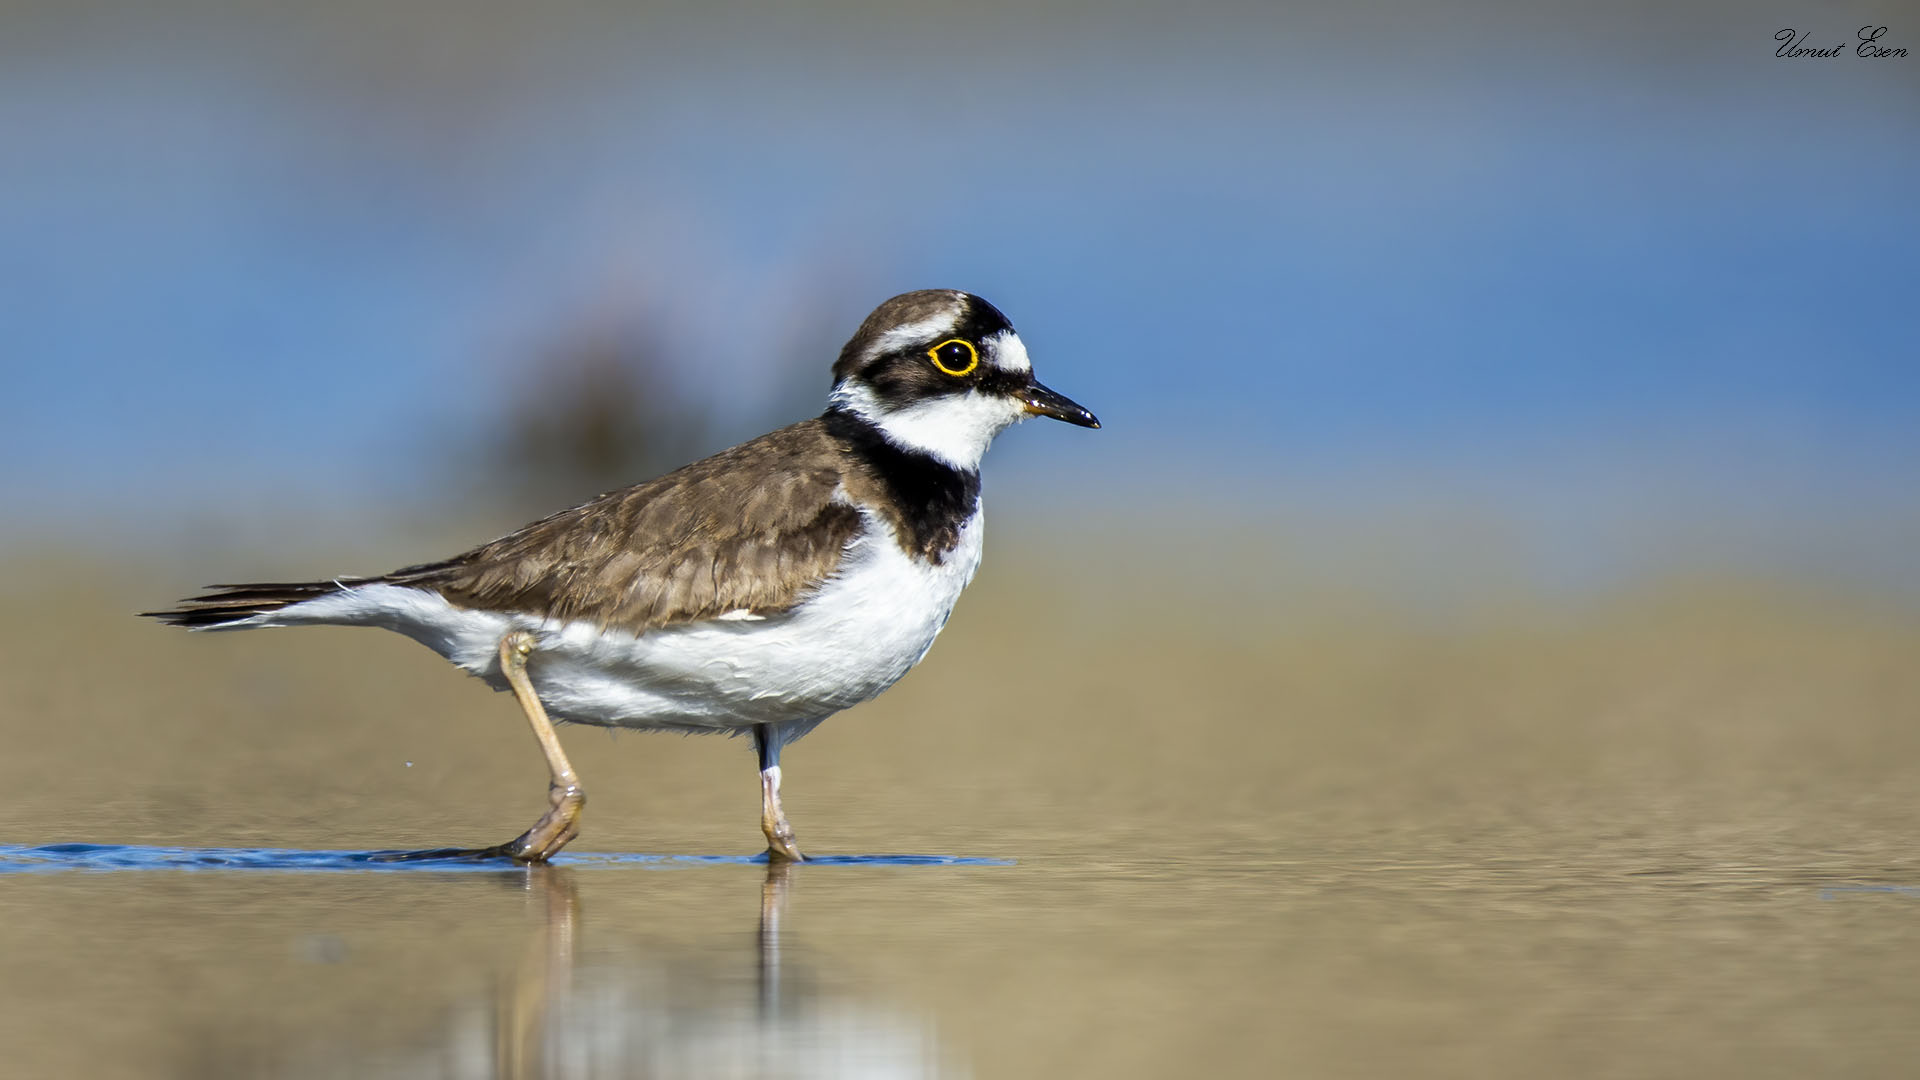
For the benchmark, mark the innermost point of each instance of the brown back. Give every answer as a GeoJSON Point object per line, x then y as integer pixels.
{"type": "Point", "coordinates": [754, 528]}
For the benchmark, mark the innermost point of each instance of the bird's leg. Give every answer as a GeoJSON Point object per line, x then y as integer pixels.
{"type": "Point", "coordinates": [565, 797]}
{"type": "Point", "coordinates": [773, 820]}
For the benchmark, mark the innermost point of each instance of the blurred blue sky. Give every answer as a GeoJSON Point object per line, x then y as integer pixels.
{"type": "Point", "coordinates": [1575, 265]}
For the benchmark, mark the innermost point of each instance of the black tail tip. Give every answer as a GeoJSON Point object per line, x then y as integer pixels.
{"type": "Point", "coordinates": [230, 605]}
{"type": "Point", "coordinates": [200, 618]}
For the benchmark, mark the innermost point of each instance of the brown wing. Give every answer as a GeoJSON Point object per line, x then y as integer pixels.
{"type": "Point", "coordinates": [755, 528]}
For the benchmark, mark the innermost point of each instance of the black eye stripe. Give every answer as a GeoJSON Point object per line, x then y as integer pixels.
{"type": "Point", "coordinates": [960, 316]}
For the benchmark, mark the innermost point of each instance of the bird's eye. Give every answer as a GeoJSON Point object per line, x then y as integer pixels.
{"type": "Point", "coordinates": [955, 357]}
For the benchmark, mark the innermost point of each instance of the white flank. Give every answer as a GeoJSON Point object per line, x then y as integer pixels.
{"type": "Point", "coordinates": [955, 428]}
{"type": "Point", "coordinates": [864, 629]}
{"type": "Point", "coordinates": [470, 639]}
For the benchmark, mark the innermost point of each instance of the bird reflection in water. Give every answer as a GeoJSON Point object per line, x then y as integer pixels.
{"type": "Point", "coordinates": [649, 1015]}
{"type": "Point", "coordinates": [540, 988]}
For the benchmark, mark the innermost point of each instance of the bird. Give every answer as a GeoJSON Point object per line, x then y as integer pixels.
{"type": "Point", "coordinates": [756, 592]}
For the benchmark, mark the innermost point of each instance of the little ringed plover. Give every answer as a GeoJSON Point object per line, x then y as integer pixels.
{"type": "Point", "coordinates": [759, 591]}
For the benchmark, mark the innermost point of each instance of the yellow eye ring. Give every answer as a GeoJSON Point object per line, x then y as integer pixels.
{"type": "Point", "coordinates": [973, 357]}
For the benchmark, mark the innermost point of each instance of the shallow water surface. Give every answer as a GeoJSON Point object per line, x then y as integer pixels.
{"type": "Point", "coordinates": [50, 858]}
{"type": "Point", "coordinates": [315, 963]}
{"type": "Point", "coordinates": [1665, 839]}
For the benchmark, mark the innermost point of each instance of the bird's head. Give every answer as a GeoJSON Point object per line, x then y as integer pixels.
{"type": "Point", "coordinates": [942, 372]}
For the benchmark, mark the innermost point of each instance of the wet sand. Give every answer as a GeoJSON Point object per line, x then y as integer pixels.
{"type": "Point", "coordinates": [1665, 833]}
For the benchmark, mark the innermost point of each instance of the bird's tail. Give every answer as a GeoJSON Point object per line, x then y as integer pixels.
{"type": "Point", "coordinates": [237, 607]}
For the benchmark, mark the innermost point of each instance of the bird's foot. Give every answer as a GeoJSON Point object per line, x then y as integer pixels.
{"type": "Point", "coordinates": [780, 843]}
{"type": "Point", "coordinates": [560, 824]}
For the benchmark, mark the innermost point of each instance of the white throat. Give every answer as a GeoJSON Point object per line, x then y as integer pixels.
{"type": "Point", "coordinates": [954, 428]}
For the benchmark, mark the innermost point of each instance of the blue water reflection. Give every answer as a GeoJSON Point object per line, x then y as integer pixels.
{"type": "Point", "coordinates": [16, 858]}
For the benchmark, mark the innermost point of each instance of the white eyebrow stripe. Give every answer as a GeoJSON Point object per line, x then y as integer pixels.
{"type": "Point", "coordinates": [909, 334]}
{"type": "Point", "coordinates": [1008, 352]}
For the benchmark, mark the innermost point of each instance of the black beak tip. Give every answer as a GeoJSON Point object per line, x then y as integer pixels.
{"type": "Point", "coordinates": [1044, 402]}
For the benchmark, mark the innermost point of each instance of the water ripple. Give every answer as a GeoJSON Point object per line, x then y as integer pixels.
{"type": "Point", "coordinates": [21, 859]}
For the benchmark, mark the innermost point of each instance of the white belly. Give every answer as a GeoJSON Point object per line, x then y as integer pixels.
{"type": "Point", "coordinates": [854, 638]}
{"type": "Point", "coordinates": [863, 630]}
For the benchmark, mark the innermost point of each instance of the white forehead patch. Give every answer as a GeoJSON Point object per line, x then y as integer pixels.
{"type": "Point", "coordinates": [1007, 352]}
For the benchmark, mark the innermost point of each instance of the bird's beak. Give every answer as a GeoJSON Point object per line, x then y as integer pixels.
{"type": "Point", "coordinates": [1041, 401]}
